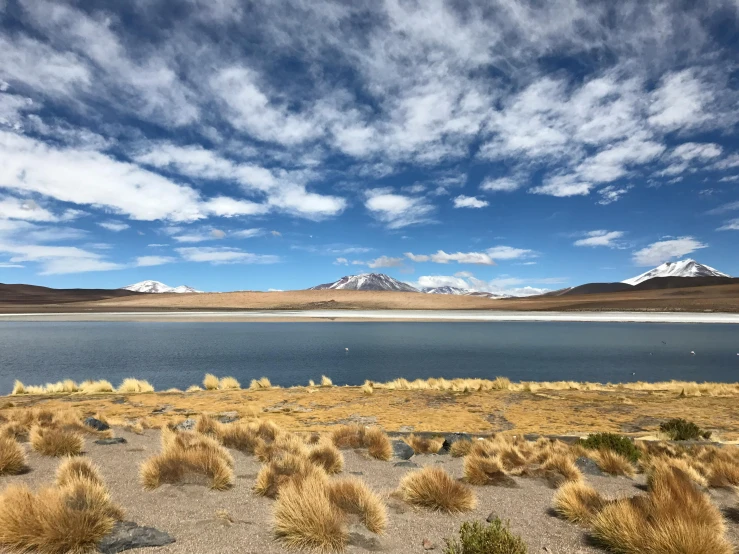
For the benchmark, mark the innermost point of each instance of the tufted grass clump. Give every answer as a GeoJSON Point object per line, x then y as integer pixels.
{"type": "Point", "coordinates": [55, 441]}
{"type": "Point", "coordinates": [210, 382]}
{"type": "Point", "coordinates": [353, 496]}
{"type": "Point", "coordinates": [373, 439]}
{"type": "Point", "coordinates": [12, 457]}
{"type": "Point", "coordinates": [131, 385]}
{"type": "Point", "coordinates": [424, 445]}
{"type": "Point", "coordinates": [578, 502]}
{"type": "Point", "coordinates": [434, 489]}
{"type": "Point", "coordinates": [476, 538]}
{"type": "Point", "coordinates": [679, 429]}
{"type": "Point", "coordinates": [613, 442]}
{"type": "Point", "coordinates": [229, 383]}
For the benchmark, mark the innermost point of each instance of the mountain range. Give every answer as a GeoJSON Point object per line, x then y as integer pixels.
{"type": "Point", "coordinates": [683, 268]}
{"type": "Point", "coordinates": [156, 287]}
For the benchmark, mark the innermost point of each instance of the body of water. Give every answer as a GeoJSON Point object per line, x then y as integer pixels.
{"type": "Point", "coordinates": [179, 354]}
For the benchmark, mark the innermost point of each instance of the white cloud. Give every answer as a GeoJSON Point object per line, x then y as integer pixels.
{"type": "Point", "coordinates": [563, 186]}
{"type": "Point", "coordinates": [10, 266]}
{"type": "Point", "coordinates": [218, 256]}
{"type": "Point", "coordinates": [396, 210]}
{"type": "Point", "coordinates": [148, 261]}
{"type": "Point", "coordinates": [434, 281]}
{"type": "Point", "coordinates": [509, 253]}
{"type": "Point", "coordinates": [692, 150]}
{"type": "Point", "coordinates": [662, 251]}
{"type": "Point", "coordinates": [223, 206]}
{"type": "Point", "coordinates": [731, 225]}
{"type": "Point", "coordinates": [681, 101]}
{"type": "Point", "coordinates": [500, 285]}
{"type": "Point", "coordinates": [463, 201]}
{"type": "Point", "coordinates": [341, 261]}
{"type": "Point", "coordinates": [248, 233]}
{"type": "Point", "coordinates": [611, 194]}
{"type": "Point", "coordinates": [115, 226]}
{"type": "Point", "coordinates": [55, 260]}
{"type": "Point", "coordinates": [601, 238]}
{"type": "Point", "coordinates": [442, 257]}
{"type": "Point", "coordinates": [385, 261]}
{"type": "Point", "coordinates": [27, 209]}
{"type": "Point", "coordinates": [501, 184]}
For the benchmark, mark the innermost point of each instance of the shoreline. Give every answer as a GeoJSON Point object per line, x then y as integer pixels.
{"type": "Point", "coordinates": [276, 316]}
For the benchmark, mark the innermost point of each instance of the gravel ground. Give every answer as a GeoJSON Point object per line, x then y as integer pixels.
{"type": "Point", "coordinates": [189, 512]}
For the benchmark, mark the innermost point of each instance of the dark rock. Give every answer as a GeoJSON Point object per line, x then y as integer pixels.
{"type": "Point", "coordinates": [187, 425]}
{"type": "Point", "coordinates": [492, 516]}
{"type": "Point", "coordinates": [126, 535]}
{"type": "Point", "coordinates": [360, 537]}
{"type": "Point", "coordinates": [401, 450]}
{"type": "Point", "coordinates": [588, 466]}
{"type": "Point", "coordinates": [112, 440]}
{"type": "Point", "coordinates": [96, 424]}
{"type": "Point", "coordinates": [450, 439]}
{"type": "Point", "coordinates": [357, 472]}
{"type": "Point", "coordinates": [405, 464]}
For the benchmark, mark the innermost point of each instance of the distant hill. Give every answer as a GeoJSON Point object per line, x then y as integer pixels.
{"type": "Point", "coordinates": [367, 281]}
{"type": "Point", "coordinates": [157, 287]}
{"type": "Point", "coordinates": [681, 268]}
{"type": "Point", "coordinates": [31, 294]}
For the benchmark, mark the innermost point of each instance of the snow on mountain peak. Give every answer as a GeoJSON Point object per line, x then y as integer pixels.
{"type": "Point", "coordinates": [682, 268]}
{"type": "Point", "coordinates": [367, 281]}
{"type": "Point", "coordinates": [157, 287]}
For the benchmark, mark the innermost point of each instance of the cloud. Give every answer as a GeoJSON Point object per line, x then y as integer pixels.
{"type": "Point", "coordinates": [503, 285]}
{"type": "Point", "coordinates": [662, 251]}
{"type": "Point", "coordinates": [681, 101]}
{"type": "Point", "coordinates": [148, 261]}
{"type": "Point", "coordinates": [396, 210]}
{"type": "Point", "coordinates": [611, 194]}
{"type": "Point", "coordinates": [341, 261]}
{"type": "Point", "coordinates": [462, 201]}
{"type": "Point", "coordinates": [563, 186]}
{"type": "Point", "coordinates": [731, 225]}
{"type": "Point", "coordinates": [692, 150]}
{"type": "Point", "coordinates": [219, 256]}
{"type": "Point", "coordinates": [56, 260]}
{"type": "Point", "coordinates": [10, 266]}
{"type": "Point", "coordinates": [385, 261]}
{"type": "Point", "coordinates": [442, 257]}
{"type": "Point", "coordinates": [27, 209]}
{"type": "Point", "coordinates": [601, 238]}
{"type": "Point", "coordinates": [728, 207]}
{"type": "Point", "coordinates": [509, 253]}
{"type": "Point", "coordinates": [115, 226]}
{"type": "Point", "coordinates": [248, 233]}
{"type": "Point", "coordinates": [501, 184]}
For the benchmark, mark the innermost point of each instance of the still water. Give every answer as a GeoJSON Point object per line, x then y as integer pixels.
{"type": "Point", "coordinates": [179, 354]}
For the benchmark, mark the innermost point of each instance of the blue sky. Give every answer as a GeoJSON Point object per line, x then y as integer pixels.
{"type": "Point", "coordinates": [226, 145]}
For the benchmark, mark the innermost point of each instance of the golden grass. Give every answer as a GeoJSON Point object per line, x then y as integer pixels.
{"type": "Point", "coordinates": [68, 518]}
{"type": "Point", "coordinates": [353, 496]}
{"type": "Point", "coordinates": [240, 436]}
{"type": "Point", "coordinates": [12, 457]}
{"type": "Point", "coordinates": [15, 430]}
{"type": "Point", "coordinates": [75, 468]}
{"type": "Point", "coordinates": [54, 441]}
{"type": "Point", "coordinates": [423, 445]}
{"type": "Point", "coordinates": [283, 443]}
{"type": "Point", "coordinates": [434, 489]}
{"type": "Point", "coordinates": [193, 388]}
{"type": "Point", "coordinates": [479, 470]}
{"type": "Point", "coordinates": [373, 439]}
{"type": "Point", "coordinates": [210, 382]}
{"type": "Point", "coordinates": [460, 448]}
{"type": "Point", "coordinates": [367, 388]}
{"type": "Point", "coordinates": [675, 517]}
{"type": "Point", "coordinates": [327, 456]}
{"type": "Point", "coordinates": [18, 388]}
{"type": "Point", "coordinates": [131, 385]}
{"type": "Point", "coordinates": [96, 387]}
{"type": "Point", "coordinates": [564, 465]}
{"type": "Point", "coordinates": [326, 382]}
{"type": "Point", "coordinates": [258, 384]}
{"type": "Point", "coordinates": [658, 465]}
{"type": "Point", "coordinates": [613, 463]}
{"type": "Point", "coordinates": [578, 502]}
{"type": "Point", "coordinates": [209, 425]}
{"type": "Point", "coordinates": [229, 383]}
{"type": "Point", "coordinates": [283, 469]}
{"type": "Point", "coordinates": [306, 519]}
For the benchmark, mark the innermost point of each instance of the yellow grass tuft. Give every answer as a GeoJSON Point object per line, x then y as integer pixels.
{"type": "Point", "coordinates": [54, 441]}
{"type": "Point", "coordinates": [484, 471]}
{"type": "Point", "coordinates": [210, 382]}
{"type": "Point", "coordinates": [240, 436]}
{"type": "Point", "coordinates": [209, 425]}
{"type": "Point", "coordinates": [12, 457]}
{"type": "Point", "coordinates": [283, 469]}
{"type": "Point", "coordinates": [356, 436]}
{"type": "Point", "coordinates": [563, 465]}
{"type": "Point", "coordinates": [283, 443]}
{"type": "Point", "coordinates": [257, 384]}
{"type": "Point", "coordinates": [75, 468]}
{"type": "Point", "coordinates": [306, 519]}
{"type": "Point", "coordinates": [193, 388]}
{"type": "Point", "coordinates": [229, 383]}
{"type": "Point", "coordinates": [326, 382]}
{"type": "Point", "coordinates": [613, 463]}
{"type": "Point", "coordinates": [661, 465]}
{"type": "Point", "coordinates": [327, 456]}
{"type": "Point", "coordinates": [578, 502]}
{"type": "Point", "coordinates": [422, 445]}
{"type": "Point", "coordinates": [460, 448]}
{"type": "Point", "coordinates": [96, 387]}
{"type": "Point", "coordinates": [434, 489]}
{"type": "Point", "coordinates": [18, 388]}
{"type": "Point", "coordinates": [15, 430]}
{"type": "Point", "coordinates": [130, 385]}
{"type": "Point", "coordinates": [367, 388]}
{"type": "Point", "coordinates": [353, 496]}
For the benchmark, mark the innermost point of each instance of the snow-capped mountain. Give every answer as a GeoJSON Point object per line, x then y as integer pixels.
{"type": "Point", "coordinates": [367, 281]}
{"type": "Point", "coordinates": [682, 268]}
{"type": "Point", "coordinates": [461, 292]}
{"type": "Point", "coordinates": [155, 287]}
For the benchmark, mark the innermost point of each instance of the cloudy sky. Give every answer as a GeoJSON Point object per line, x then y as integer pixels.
{"type": "Point", "coordinates": [227, 144]}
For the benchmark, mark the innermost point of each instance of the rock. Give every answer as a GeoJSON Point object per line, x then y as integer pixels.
{"type": "Point", "coordinates": [546, 549]}
{"type": "Point", "coordinates": [112, 440]}
{"type": "Point", "coordinates": [450, 439]}
{"type": "Point", "coordinates": [127, 535]}
{"type": "Point", "coordinates": [228, 417]}
{"type": "Point", "coordinates": [96, 424]}
{"type": "Point", "coordinates": [401, 450]}
{"type": "Point", "coordinates": [162, 409]}
{"type": "Point", "coordinates": [405, 464]}
{"type": "Point", "coordinates": [428, 545]}
{"type": "Point", "coordinates": [356, 472]}
{"type": "Point", "coordinates": [359, 536]}
{"type": "Point", "coordinates": [120, 400]}
{"type": "Point", "coordinates": [492, 516]}
{"type": "Point", "coordinates": [588, 466]}
{"type": "Point", "coordinates": [187, 425]}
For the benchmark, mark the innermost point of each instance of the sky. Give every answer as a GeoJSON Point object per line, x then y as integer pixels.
{"type": "Point", "coordinates": [508, 146]}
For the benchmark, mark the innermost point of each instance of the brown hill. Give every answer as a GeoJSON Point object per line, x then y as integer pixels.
{"type": "Point", "coordinates": [33, 295]}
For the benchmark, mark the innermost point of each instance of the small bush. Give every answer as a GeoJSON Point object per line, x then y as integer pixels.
{"type": "Point", "coordinates": [611, 441]}
{"type": "Point", "coordinates": [262, 383]}
{"type": "Point", "coordinates": [683, 430]}
{"type": "Point", "coordinates": [210, 382]}
{"type": "Point", "coordinates": [353, 496]}
{"type": "Point", "coordinates": [460, 448]}
{"type": "Point", "coordinates": [12, 457]}
{"type": "Point", "coordinates": [355, 436]}
{"type": "Point", "coordinates": [327, 456]}
{"type": "Point", "coordinates": [326, 382]}
{"type": "Point", "coordinates": [483, 471]}
{"type": "Point", "coordinates": [422, 445]}
{"type": "Point", "coordinates": [613, 463]}
{"type": "Point", "coordinates": [577, 502]}
{"type": "Point", "coordinates": [75, 468]}
{"type": "Point", "coordinates": [434, 488]}
{"type": "Point", "coordinates": [53, 441]}
{"type": "Point", "coordinates": [95, 387]}
{"type": "Point", "coordinates": [229, 383]}
{"type": "Point", "coordinates": [476, 538]}
{"type": "Point", "coordinates": [282, 470]}
{"type": "Point", "coordinates": [135, 385]}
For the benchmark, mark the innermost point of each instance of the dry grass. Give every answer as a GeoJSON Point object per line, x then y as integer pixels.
{"type": "Point", "coordinates": [240, 436]}
{"type": "Point", "coordinates": [306, 518]}
{"type": "Point", "coordinates": [675, 517]}
{"type": "Point", "coordinates": [563, 465]}
{"type": "Point", "coordinates": [229, 383]}
{"type": "Point", "coordinates": [326, 382]}
{"type": "Point", "coordinates": [96, 387]}
{"type": "Point", "coordinates": [257, 384]}
{"type": "Point", "coordinates": [55, 441]}
{"type": "Point", "coordinates": [327, 456]}
{"type": "Point", "coordinates": [209, 425]}
{"type": "Point", "coordinates": [434, 489]}
{"type": "Point", "coordinates": [367, 388]}
{"type": "Point", "coordinates": [282, 470]}
{"type": "Point", "coordinates": [479, 470]}
{"type": "Point", "coordinates": [353, 496]}
{"type": "Point", "coordinates": [134, 385]}
{"type": "Point", "coordinates": [76, 468]}
{"type": "Point", "coordinates": [578, 502]}
{"type": "Point", "coordinates": [15, 430]}
{"type": "Point", "coordinates": [356, 436]}
{"type": "Point", "coordinates": [658, 465]}
{"type": "Point", "coordinates": [422, 445]}
{"type": "Point", "coordinates": [283, 443]}
{"type": "Point", "coordinates": [210, 382]}
{"type": "Point", "coordinates": [193, 388]}
{"type": "Point", "coordinates": [613, 463]}
{"type": "Point", "coordinates": [12, 457]}
{"type": "Point", "coordinates": [68, 518]}
{"type": "Point", "coordinates": [460, 448]}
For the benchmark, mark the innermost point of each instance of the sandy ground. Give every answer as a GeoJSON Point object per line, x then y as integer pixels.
{"type": "Point", "coordinates": [381, 315]}
{"type": "Point", "coordinates": [188, 512]}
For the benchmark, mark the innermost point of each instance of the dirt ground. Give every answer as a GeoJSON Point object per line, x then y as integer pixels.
{"type": "Point", "coordinates": [190, 512]}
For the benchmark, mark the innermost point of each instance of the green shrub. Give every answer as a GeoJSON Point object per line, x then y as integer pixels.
{"type": "Point", "coordinates": [476, 538]}
{"type": "Point", "coordinates": [683, 430]}
{"type": "Point", "coordinates": [611, 441]}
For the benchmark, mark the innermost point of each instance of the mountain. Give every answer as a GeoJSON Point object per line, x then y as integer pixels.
{"type": "Point", "coordinates": [155, 287]}
{"type": "Point", "coordinates": [31, 294]}
{"type": "Point", "coordinates": [682, 268]}
{"type": "Point", "coordinates": [462, 292]}
{"type": "Point", "coordinates": [367, 281]}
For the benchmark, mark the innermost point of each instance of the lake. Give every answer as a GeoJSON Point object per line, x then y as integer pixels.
{"type": "Point", "coordinates": [179, 354]}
